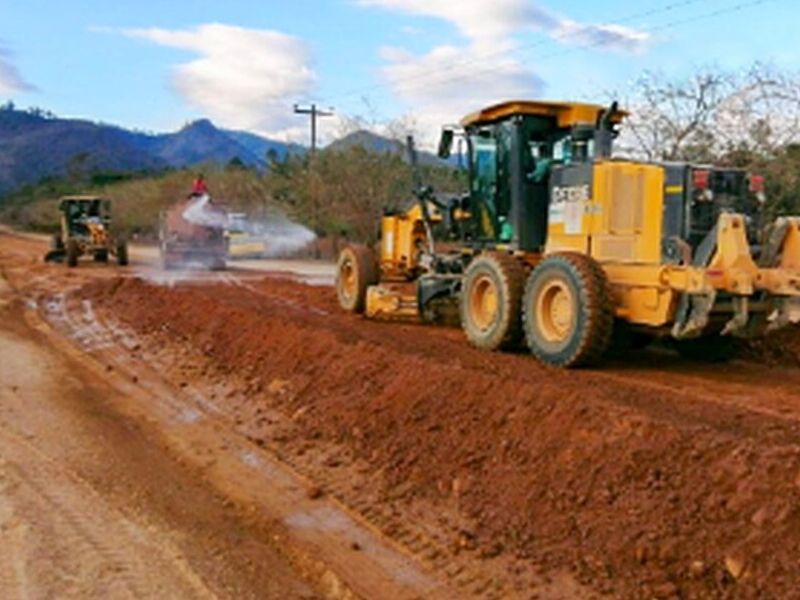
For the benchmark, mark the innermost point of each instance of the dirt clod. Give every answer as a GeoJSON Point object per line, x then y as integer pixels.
{"type": "Point", "coordinates": [697, 569]}
{"type": "Point", "coordinates": [735, 566]}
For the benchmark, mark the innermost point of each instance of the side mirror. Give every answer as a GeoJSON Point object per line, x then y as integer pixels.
{"type": "Point", "coordinates": [445, 144]}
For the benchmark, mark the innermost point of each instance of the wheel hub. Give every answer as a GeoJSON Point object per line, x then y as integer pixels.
{"type": "Point", "coordinates": [555, 311]}
{"type": "Point", "coordinates": [347, 278]}
{"type": "Point", "coordinates": [483, 302]}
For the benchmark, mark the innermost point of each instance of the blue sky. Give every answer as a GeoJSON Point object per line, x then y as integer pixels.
{"type": "Point", "coordinates": [155, 65]}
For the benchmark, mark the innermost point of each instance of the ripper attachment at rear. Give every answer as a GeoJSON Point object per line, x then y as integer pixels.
{"type": "Point", "coordinates": [560, 248]}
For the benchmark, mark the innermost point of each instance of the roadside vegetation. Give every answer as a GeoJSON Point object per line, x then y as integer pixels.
{"type": "Point", "coordinates": [337, 194]}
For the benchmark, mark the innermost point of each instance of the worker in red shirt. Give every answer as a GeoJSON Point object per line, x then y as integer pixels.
{"type": "Point", "coordinates": [199, 187]}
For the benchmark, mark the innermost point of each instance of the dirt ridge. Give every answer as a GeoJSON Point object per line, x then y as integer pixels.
{"type": "Point", "coordinates": [634, 490]}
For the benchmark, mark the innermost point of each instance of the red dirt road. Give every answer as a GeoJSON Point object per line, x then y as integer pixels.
{"type": "Point", "coordinates": [116, 483]}
{"type": "Point", "coordinates": [91, 506]}
{"type": "Point", "coordinates": [652, 477]}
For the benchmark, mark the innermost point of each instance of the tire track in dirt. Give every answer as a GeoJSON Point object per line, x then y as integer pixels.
{"type": "Point", "coordinates": [108, 545]}
{"type": "Point", "coordinates": [76, 319]}
{"type": "Point", "coordinates": [54, 516]}
{"type": "Point", "coordinates": [98, 548]}
{"type": "Point", "coordinates": [80, 516]}
{"type": "Point", "coordinates": [13, 541]}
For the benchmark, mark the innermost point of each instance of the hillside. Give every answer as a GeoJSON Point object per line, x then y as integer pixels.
{"type": "Point", "coordinates": [33, 146]}
{"type": "Point", "coordinates": [260, 146]}
{"type": "Point", "coordinates": [36, 144]}
{"type": "Point", "coordinates": [199, 142]}
{"type": "Point", "coordinates": [368, 140]}
{"type": "Point", "coordinates": [372, 142]}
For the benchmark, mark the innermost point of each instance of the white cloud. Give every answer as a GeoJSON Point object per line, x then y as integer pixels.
{"type": "Point", "coordinates": [609, 37]}
{"type": "Point", "coordinates": [11, 82]}
{"type": "Point", "coordinates": [474, 18]}
{"type": "Point", "coordinates": [433, 85]}
{"type": "Point", "coordinates": [242, 78]}
{"type": "Point", "coordinates": [481, 20]}
{"type": "Point", "coordinates": [409, 30]}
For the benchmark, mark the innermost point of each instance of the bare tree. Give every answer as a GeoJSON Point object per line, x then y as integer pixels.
{"type": "Point", "coordinates": [674, 120]}
{"type": "Point", "coordinates": [763, 114]}
{"type": "Point", "coordinates": [712, 114]}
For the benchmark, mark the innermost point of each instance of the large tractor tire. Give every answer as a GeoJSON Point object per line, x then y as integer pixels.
{"type": "Point", "coordinates": [73, 253]}
{"type": "Point", "coordinates": [122, 254]}
{"type": "Point", "coordinates": [568, 311]}
{"type": "Point", "coordinates": [57, 243]}
{"type": "Point", "coordinates": [491, 295]}
{"type": "Point", "coordinates": [356, 270]}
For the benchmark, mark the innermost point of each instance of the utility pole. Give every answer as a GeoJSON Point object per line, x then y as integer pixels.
{"type": "Point", "coordinates": [315, 113]}
{"type": "Point", "coordinates": [313, 191]}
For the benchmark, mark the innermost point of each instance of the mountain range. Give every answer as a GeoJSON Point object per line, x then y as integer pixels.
{"type": "Point", "coordinates": [34, 145]}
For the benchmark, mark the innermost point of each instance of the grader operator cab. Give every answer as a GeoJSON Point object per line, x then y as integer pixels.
{"type": "Point", "coordinates": [560, 246]}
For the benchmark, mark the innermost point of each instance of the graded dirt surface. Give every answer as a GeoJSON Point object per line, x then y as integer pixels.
{"type": "Point", "coordinates": [650, 477]}
{"type": "Point", "coordinates": [115, 484]}
{"type": "Point", "coordinates": [92, 507]}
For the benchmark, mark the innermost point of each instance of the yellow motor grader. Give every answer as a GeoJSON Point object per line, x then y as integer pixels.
{"type": "Point", "coordinates": [85, 229]}
{"type": "Point", "coordinates": [561, 247]}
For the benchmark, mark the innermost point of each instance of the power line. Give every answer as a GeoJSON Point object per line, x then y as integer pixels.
{"type": "Point", "coordinates": [513, 50]}
{"type": "Point", "coordinates": [656, 29]}
{"type": "Point", "coordinates": [667, 26]}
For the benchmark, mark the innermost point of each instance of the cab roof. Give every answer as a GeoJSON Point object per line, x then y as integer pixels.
{"type": "Point", "coordinates": [566, 114]}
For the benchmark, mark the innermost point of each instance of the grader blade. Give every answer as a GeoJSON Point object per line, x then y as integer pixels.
{"type": "Point", "coordinates": [391, 303]}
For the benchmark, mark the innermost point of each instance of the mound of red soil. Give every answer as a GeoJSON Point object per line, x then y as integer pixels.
{"type": "Point", "coordinates": [640, 491]}
{"type": "Point", "coordinates": [780, 348]}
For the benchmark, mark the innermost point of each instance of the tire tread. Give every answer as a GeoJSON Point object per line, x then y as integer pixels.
{"type": "Point", "coordinates": [512, 274]}
{"type": "Point", "coordinates": [596, 299]}
{"type": "Point", "coordinates": [367, 268]}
